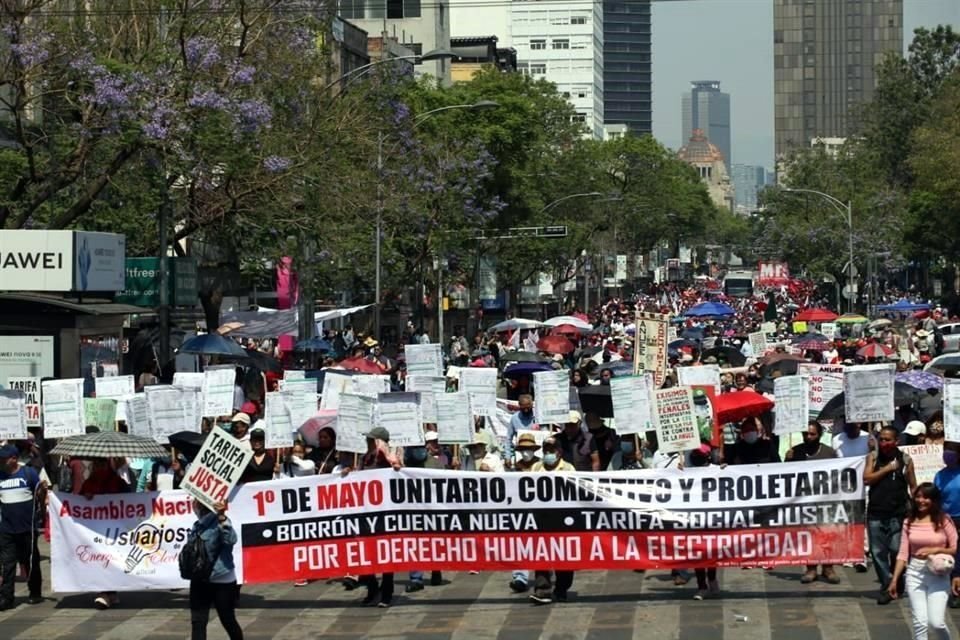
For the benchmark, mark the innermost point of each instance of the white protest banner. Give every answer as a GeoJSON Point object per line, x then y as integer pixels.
{"type": "Point", "coordinates": [354, 418]}
{"type": "Point", "coordinates": [294, 374]}
{"type": "Point", "coordinates": [792, 401]}
{"type": "Point", "coordinates": [429, 387]}
{"type": "Point", "coordinates": [217, 390]}
{"type": "Point", "coordinates": [114, 387]}
{"type": "Point", "coordinates": [118, 542]}
{"type": "Point", "coordinates": [31, 389]}
{"type": "Point", "coordinates": [172, 409]}
{"type": "Point", "coordinates": [335, 384]}
{"type": "Point", "coordinates": [300, 397]}
{"type": "Point", "coordinates": [769, 328]}
{"type": "Point", "coordinates": [829, 330]}
{"type": "Point", "coordinates": [825, 383]}
{"type": "Point", "coordinates": [551, 392]}
{"type": "Point", "coordinates": [706, 375]}
{"type": "Point", "coordinates": [399, 413]}
{"type": "Point", "coordinates": [927, 460]}
{"type": "Point", "coordinates": [868, 393]}
{"type": "Point", "coordinates": [758, 343]}
{"type": "Point", "coordinates": [480, 383]}
{"type": "Point", "coordinates": [423, 359]}
{"type": "Point", "coordinates": [13, 415]}
{"type": "Point", "coordinates": [951, 409]}
{"type": "Point", "coordinates": [217, 468]}
{"type": "Point", "coordinates": [632, 409]}
{"type": "Point", "coordinates": [278, 431]}
{"type": "Point", "coordinates": [136, 414]}
{"type": "Point", "coordinates": [188, 380]}
{"type": "Point", "coordinates": [675, 419]}
{"type": "Point", "coordinates": [63, 412]}
{"type": "Point", "coordinates": [370, 385]}
{"type": "Point", "coordinates": [454, 419]}
{"type": "Point", "coordinates": [650, 351]}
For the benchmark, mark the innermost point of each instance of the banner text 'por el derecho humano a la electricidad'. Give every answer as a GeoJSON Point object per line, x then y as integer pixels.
{"type": "Point", "coordinates": [415, 519]}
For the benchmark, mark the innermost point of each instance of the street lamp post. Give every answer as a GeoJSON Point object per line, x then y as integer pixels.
{"type": "Point", "coordinates": [844, 208]}
{"type": "Point", "coordinates": [482, 104]}
{"type": "Point", "coordinates": [353, 74]}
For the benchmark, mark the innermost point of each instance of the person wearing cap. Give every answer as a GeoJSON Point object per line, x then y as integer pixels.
{"type": "Point", "coordinates": [527, 447]}
{"type": "Point", "coordinates": [263, 465]}
{"type": "Point", "coordinates": [21, 510]}
{"type": "Point", "coordinates": [551, 585]}
{"type": "Point", "coordinates": [914, 433]}
{"type": "Point", "coordinates": [576, 447]}
{"type": "Point", "coordinates": [436, 458]}
{"type": "Point", "coordinates": [481, 459]}
{"type": "Point", "coordinates": [751, 447]}
{"type": "Point", "coordinates": [379, 594]}
{"type": "Point", "coordinates": [240, 427]}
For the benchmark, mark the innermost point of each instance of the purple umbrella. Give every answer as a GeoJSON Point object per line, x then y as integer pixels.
{"type": "Point", "coordinates": [922, 380]}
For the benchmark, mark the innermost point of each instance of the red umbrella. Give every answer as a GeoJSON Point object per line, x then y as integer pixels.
{"type": "Point", "coordinates": [360, 364]}
{"type": "Point", "coordinates": [737, 405]}
{"type": "Point", "coordinates": [555, 344]}
{"type": "Point", "coordinates": [816, 315]}
{"type": "Point", "coordinates": [875, 350]}
{"type": "Point", "coordinates": [566, 329]}
{"type": "Point", "coordinates": [811, 344]}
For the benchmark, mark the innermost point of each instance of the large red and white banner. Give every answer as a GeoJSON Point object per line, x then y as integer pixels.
{"type": "Point", "coordinates": [416, 519]}
{"type": "Point", "coordinates": [773, 274]}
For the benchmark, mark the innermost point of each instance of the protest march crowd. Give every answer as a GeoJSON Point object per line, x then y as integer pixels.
{"type": "Point", "coordinates": [679, 430]}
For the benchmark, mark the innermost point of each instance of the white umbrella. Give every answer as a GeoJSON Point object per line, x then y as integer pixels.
{"type": "Point", "coordinates": [571, 320]}
{"type": "Point", "coordinates": [515, 323]}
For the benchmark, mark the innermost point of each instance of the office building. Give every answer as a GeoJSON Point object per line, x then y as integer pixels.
{"type": "Point", "coordinates": [627, 70]}
{"type": "Point", "coordinates": [707, 108]}
{"type": "Point", "coordinates": [824, 55]}
{"type": "Point", "coordinates": [472, 18]}
{"type": "Point", "coordinates": [748, 180]}
{"type": "Point", "coordinates": [563, 44]}
{"type": "Point", "coordinates": [419, 25]}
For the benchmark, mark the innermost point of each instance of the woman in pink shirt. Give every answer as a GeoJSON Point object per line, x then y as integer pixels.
{"type": "Point", "coordinates": [927, 531]}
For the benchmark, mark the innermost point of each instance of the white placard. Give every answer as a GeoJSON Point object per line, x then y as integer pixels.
{"type": "Point", "coordinates": [429, 387]}
{"type": "Point", "coordinates": [951, 409]}
{"type": "Point", "coordinates": [632, 406]}
{"type": "Point", "coordinates": [30, 387]}
{"type": "Point", "coordinates": [190, 380]}
{"type": "Point", "coordinates": [769, 328]}
{"type": "Point", "coordinates": [13, 415]}
{"type": "Point", "coordinates": [675, 419]}
{"type": "Point", "coordinates": [927, 460]}
{"type": "Point", "coordinates": [551, 389]}
{"type": "Point", "coordinates": [868, 393]}
{"type": "Point", "coordinates": [136, 414]}
{"type": "Point", "coordinates": [454, 419]}
{"type": "Point", "coordinates": [370, 385]}
{"type": "Point", "coordinates": [825, 383]}
{"type": "Point", "coordinates": [792, 399]}
{"type": "Point", "coordinates": [334, 385]}
{"type": "Point", "coordinates": [480, 383]}
{"type": "Point", "coordinates": [758, 343]}
{"type": "Point", "coordinates": [63, 413]}
{"type": "Point", "coordinates": [706, 375]}
{"type": "Point", "coordinates": [217, 390]}
{"type": "Point", "coordinates": [399, 413]}
{"type": "Point", "coordinates": [294, 374]}
{"type": "Point", "coordinates": [110, 369]}
{"type": "Point", "coordinates": [113, 387]}
{"type": "Point", "coordinates": [829, 329]}
{"type": "Point", "coordinates": [423, 359]}
{"type": "Point", "coordinates": [354, 418]}
{"type": "Point", "coordinates": [217, 468]}
{"type": "Point", "coordinates": [172, 409]}
{"type": "Point", "coordinates": [278, 431]}
{"type": "Point", "coordinates": [300, 397]}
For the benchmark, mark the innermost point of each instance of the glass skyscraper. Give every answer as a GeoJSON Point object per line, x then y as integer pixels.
{"type": "Point", "coordinates": [627, 73]}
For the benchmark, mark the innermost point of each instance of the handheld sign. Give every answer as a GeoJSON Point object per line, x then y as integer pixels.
{"type": "Point", "coordinates": [868, 393]}
{"type": "Point", "coordinates": [792, 403]}
{"type": "Point", "coordinates": [31, 389]}
{"type": "Point", "coordinates": [951, 409]}
{"type": "Point", "coordinates": [114, 387]}
{"type": "Point", "coordinates": [217, 390]}
{"type": "Point", "coordinates": [550, 388]}
{"type": "Point", "coordinates": [13, 415]}
{"type": "Point", "coordinates": [676, 422]}
{"type": "Point", "coordinates": [62, 408]}
{"type": "Point", "coordinates": [217, 468]}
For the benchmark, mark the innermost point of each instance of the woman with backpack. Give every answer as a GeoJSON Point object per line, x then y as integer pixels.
{"type": "Point", "coordinates": [209, 567]}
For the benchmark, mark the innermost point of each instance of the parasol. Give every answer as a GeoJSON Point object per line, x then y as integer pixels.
{"type": "Point", "coordinates": [737, 405]}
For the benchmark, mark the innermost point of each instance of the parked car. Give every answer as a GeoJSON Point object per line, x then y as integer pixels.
{"type": "Point", "coordinates": [951, 337]}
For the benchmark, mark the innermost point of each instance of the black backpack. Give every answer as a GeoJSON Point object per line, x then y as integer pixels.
{"type": "Point", "coordinates": [195, 562]}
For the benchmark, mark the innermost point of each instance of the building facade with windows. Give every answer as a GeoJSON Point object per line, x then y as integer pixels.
{"type": "Point", "coordinates": [707, 108]}
{"type": "Point", "coordinates": [707, 159]}
{"type": "Point", "coordinates": [419, 25]}
{"type": "Point", "coordinates": [563, 43]}
{"type": "Point", "coordinates": [825, 53]}
{"type": "Point", "coordinates": [627, 65]}
{"type": "Point", "coordinates": [748, 181]}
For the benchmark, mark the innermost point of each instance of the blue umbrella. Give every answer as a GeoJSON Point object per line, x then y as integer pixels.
{"type": "Point", "coordinates": [314, 344]}
{"type": "Point", "coordinates": [212, 344]}
{"type": "Point", "coordinates": [708, 309]}
{"type": "Point", "coordinates": [525, 369]}
{"type": "Point", "coordinates": [922, 380]}
{"type": "Point", "coordinates": [904, 306]}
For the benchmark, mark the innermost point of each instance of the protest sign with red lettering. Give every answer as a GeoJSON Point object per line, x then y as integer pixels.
{"type": "Point", "coordinates": [826, 382]}
{"type": "Point", "coordinates": [927, 460]}
{"type": "Point", "coordinates": [217, 468]}
{"type": "Point", "coordinates": [31, 389]}
{"type": "Point", "coordinates": [676, 422]}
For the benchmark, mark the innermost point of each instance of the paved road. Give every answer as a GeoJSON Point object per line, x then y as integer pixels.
{"type": "Point", "coordinates": [603, 606]}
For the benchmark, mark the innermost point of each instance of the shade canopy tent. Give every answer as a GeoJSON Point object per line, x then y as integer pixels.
{"type": "Point", "coordinates": [903, 306]}
{"type": "Point", "coordinates": [270, 323]}
{"type": "Point", "coordinates": [710, 309]}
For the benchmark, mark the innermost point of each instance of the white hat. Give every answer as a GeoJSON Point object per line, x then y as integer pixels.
{"type": "Point", "coordinates": [241, 417]}
{"type": "Point", "coordinates": [915, 428]}
{"type": "Point", "coordinates": [431, 436]}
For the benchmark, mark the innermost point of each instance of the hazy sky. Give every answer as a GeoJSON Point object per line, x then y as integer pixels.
{"type": "Point", "coordinates": [732, 41]}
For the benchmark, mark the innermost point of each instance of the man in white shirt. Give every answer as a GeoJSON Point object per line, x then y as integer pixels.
{"type": "Point", "coordinates": [852, 442]}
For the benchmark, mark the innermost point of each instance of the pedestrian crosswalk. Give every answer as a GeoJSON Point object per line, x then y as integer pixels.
{"type": "Point", "coordinates": [604, 605]}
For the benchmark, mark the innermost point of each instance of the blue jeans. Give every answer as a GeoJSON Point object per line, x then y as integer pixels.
{"type": "Point", "coordinates": [884, 544]}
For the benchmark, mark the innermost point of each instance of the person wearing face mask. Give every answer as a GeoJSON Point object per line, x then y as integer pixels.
{"type": "Point", "coordinates": [888, 472]}
{"type": "Point", "coordinates": [527, 447]}
{"type": "Point", "coordinates": [947, 481]}
{"type": "Point", "coordinates": [913, 433]}
{"type": "Point", "coordinates": [935, 432]}
{"type": "Point", "coordinates": [750, 448]}
{"type": "Point", "coordinates": [522, 420]}
{"type": "Point", "coordinates": [604, 437]}
{"type": "Point", "coordinates": [551, 585]}
{"type": "Point", "coordinates": [812, 449]}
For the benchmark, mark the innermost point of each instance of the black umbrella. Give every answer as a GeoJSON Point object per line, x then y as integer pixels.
{"type": "Point", "coordinates": [522, 356]}
{"type": "Point", "coordinates": [596, 399]}
{"type": "Point", "coordinates": [521, 369]}
{"type": "Point", "coordinates": [258, 360]}
{"type": "Point", "coordinates": [765, 385]}
{"type": "Point", "coordinates": [903, 395]}
{"type": "Point", "coordinates": [729, 355]}
{"type": "Point", "coordinates": [786, 367]}
{"type": "Point", "coordinates": [929, 404]}
{"type": "Point", "coordinates": [187, 442]}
